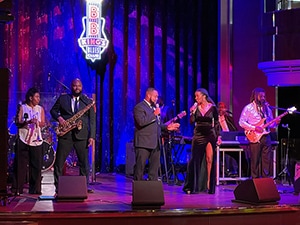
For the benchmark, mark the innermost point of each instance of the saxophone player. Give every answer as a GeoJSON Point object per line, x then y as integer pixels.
{"type": "Point", "coordinates": [67, 107]}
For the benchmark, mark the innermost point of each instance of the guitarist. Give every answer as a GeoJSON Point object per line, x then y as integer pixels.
{"type": "Point", "coordinates": [252, 119]}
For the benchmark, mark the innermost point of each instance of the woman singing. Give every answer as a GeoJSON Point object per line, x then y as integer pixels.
{"type": "Point", "coordinates": [204, 115]}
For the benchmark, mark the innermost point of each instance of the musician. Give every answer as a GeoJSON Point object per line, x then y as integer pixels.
{"type": "Point", "coordinates": [227, 124]}
{"type": "Point", "coordinates": [252, 119]}
{"type": "Point", "coordinates": [166, 112]}
{"type": "Point", "coordinates": [147, 135]}
{"type": "Point", "coordinates": [204, 114]}
{"type": "Point", "coordinates": [29, 120]}
{"type": "Point", "coordinates": [79, 138]}
{"type": "Point", "coordinates": [225, 119]}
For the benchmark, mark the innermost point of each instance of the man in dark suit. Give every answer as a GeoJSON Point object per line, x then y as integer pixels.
{"type": "Point", "coordinates": [147, 140]}
{"type": "Point", "coordinates": [79, 138]}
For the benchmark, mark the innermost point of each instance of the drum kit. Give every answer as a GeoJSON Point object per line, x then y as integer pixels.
{"type": "Point", "coordinates": [48, 136]}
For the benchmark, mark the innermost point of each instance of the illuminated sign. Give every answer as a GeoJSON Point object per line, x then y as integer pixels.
{"type": "Point", "coordinates": [93, 40]}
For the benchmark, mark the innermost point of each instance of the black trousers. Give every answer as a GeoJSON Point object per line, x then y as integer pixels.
{"type": "Point", "coordinates": [142, 154]}
{"type": "Point", "coordinates": [64, 147]}
{"type": "Point", "coordinates": [31, 157]}
{"type": "Point", "coordinates": [261, 155]}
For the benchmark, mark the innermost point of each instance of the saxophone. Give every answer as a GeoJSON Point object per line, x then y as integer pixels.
{"type": "Point", "coordinates": [73, 122]}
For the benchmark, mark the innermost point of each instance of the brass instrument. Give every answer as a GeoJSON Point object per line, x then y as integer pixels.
{"type": "Point", "coordinates": [73, 122]}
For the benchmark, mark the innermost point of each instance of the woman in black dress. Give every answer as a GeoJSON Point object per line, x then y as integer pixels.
{"type": "Point", "coordinates": [204, 114]}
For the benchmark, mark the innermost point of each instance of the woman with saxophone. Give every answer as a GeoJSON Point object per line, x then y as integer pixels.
{"type": "Point", "coordinates": [30, 118]}
{"type": "Point", "coordinates": [77, 129]}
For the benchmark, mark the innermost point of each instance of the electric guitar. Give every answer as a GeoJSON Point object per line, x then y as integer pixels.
{"type": "Point", "coordinates": [254, 136]}
{"type": "Point", "coordinates": [179, 116]}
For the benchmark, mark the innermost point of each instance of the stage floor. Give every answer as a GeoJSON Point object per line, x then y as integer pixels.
{"type": "Point", "coordinates": [113, 195]}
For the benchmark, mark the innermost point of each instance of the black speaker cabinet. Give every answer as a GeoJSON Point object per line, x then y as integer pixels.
{"type": "Point", "coordinates": [4, 97]}
{"type": "Point", "coordinates": [297, 186]}
{"type": "Point", "coordinates": [297, 178]}
{"type": "Point", "coordinates": [72, 188]}
{"type": "Point", "coordinates": [147, 195]}
{"type": "Point", "coordinates": [257, 191]}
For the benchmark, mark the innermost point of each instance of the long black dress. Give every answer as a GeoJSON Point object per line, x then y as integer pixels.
{"type": "Point", "coordinates": [206, 131]}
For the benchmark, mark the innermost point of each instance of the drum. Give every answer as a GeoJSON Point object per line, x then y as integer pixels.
{"type": "Point", "coordinates": [47, 135]}
{"type": "Point", "coordinates": [72, 159]}
{"type": "Point", "coordinates": [48, 156]}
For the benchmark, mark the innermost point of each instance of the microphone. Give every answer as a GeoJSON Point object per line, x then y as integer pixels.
{"type": "Point", "coordinates": [158, 116]}
{"type": "Point", "coordinates": [194, 108]}
{"type": "Point", "coordinates": [25, 117]}
{"type": "Point", "coordinates": [173, 102]}
{"type": "Point", "coordinates": [269, 106]}
{"type": "Point", "coordinates": [49, 76]}
{"type": "Point", "coordinates": [229, 112]}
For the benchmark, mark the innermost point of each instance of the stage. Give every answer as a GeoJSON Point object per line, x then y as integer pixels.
{"type": "Point", "coordinates": [111, 204]}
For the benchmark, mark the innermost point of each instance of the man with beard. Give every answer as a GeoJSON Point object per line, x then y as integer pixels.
{"type": "Point", "coordinates": [252, 119]}
{"type": "Point", "coordinates": [81, 137]}
{"type": "Point", "coordinates": [147, 135]}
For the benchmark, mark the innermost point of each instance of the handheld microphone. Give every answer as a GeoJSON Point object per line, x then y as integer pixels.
{"type": "Point", "coordinates": [49, 76]}
{"type": "Point", "coordinates": [25, 117]}
{"type": "Point", "coordinates": [173, 102]}
{"type": "Point", "coordinates": [158, 116]}
{"type": "Point", "coordinates": [194, 108]}
{"type": "Point", "coordinates": [229, 112]}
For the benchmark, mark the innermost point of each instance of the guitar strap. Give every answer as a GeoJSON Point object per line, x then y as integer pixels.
{"type": "Point", "coordinates": [262, 114]}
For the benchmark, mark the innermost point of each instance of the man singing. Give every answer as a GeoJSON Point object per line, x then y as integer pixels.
{"type": "Point", "coordinates": [147, 133]}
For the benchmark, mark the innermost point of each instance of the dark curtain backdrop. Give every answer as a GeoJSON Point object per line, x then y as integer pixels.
{"type": "Point", "coordinates": [171, 45]}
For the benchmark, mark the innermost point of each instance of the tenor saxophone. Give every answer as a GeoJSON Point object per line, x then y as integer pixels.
{"type": "Point", "coordinates": [73, 122]}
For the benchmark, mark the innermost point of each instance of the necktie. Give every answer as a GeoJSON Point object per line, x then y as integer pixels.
{"type": "Point", "coordinates": [76, 105]}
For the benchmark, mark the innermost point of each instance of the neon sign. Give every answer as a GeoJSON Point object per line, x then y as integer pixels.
{"type": "Point", "coordinates": [93, 40]}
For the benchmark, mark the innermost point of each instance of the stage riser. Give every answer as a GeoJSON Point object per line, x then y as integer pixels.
{"type": "Point", "coordinates": [157, 218]}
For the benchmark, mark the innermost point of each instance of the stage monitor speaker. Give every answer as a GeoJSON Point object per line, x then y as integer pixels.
{"type": "Point", "coordinates": [71, 188]}
{"type": "Point", "coordinates": [257, 191]}
{"type": "Point", "coordinates": [147, 195]}
{"type": "Point", "coordinates": [297, 178]}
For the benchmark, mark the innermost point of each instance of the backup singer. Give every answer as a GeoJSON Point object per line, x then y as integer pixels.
{"type": "Point", "coordinates": [204, 115]}
{"type": "Point", "coordinates": [147, 134]}
{"type": "Point", "coordinates": [251, 116]}
{"type": "Point", "coordinates": [29, 120]}
{"type": "Point", "coordinates": [66, 106]}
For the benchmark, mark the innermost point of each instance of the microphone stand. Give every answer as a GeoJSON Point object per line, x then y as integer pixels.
{"type": "Point", "coordinates": [283, 109]}
{"type": "Point", "coordinates": [285, 170]}
{"type": "Point", "coordinates": [62, 84]}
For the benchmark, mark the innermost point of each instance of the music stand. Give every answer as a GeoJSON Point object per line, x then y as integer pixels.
{"type": "Point", "coordinates": [285, 170]}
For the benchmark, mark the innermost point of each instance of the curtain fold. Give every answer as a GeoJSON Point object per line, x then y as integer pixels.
{"type": "Point", "coordinates": [171, 45]}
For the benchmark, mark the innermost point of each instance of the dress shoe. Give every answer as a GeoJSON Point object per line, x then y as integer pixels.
{"type": "Point", "coordinates": [16, 192]}
{"type": "Point", "coordinates": [187, 191]}
{"type": "Point", "coordinates": [211, 191]}
{"type": "Point", "coordinates": [233, 174]}
{"type": "Point", "coordinates": [90, 191]}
